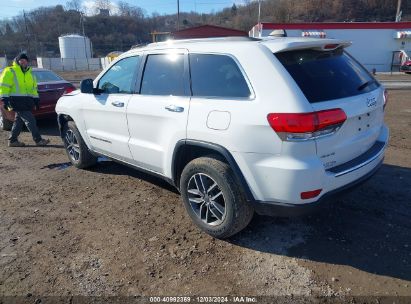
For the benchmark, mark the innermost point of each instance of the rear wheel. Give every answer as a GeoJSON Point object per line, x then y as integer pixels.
{"type": "Point", "coordinates": [76, 148]}
{"type": "Point", "coordinates": [213, 199]}
{"type": "Point", "coordinates": [5, 124]}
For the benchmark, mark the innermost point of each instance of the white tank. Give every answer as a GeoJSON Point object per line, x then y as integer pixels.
{"type": "Point", "coordinates": [75, 46]}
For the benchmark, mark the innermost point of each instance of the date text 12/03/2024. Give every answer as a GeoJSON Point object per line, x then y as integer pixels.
{"type": "Point", "coordinates": [203, 299]}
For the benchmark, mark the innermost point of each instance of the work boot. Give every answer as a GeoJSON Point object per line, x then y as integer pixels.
{"type": "Point", "coordinates": [43, 142]}
{"type": "Point", "coordinates": [16, 143]}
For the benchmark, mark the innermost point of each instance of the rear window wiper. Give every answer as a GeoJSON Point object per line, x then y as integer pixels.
{"type": "Point", "coordinates": [366, 84]}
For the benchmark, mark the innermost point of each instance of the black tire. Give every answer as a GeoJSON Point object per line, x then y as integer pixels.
{"type": "Point", "coordinates": [76, 148]}
{"type": "Point", "coordinates": [208, 171]}
{"type": "Point", "coordinates": [5, 124]}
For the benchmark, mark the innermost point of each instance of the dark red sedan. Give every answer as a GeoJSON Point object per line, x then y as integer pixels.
{"type": "Point", "coordinates": [50, 87]}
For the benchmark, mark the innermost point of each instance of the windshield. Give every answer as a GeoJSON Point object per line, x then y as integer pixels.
{"type": "Point", "coordinates": [327, 75]}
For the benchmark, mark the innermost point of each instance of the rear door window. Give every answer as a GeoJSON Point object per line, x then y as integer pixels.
{"type": "Point", "coordinates": [217, 76]}
{"type": "Point", "coordinates": [327, 75]}
{"type": "Point", "coordinates": [164, 75]}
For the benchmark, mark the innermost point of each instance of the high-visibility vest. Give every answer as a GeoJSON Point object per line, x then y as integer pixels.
{"type": "Point", "coordinates": [15, 83]}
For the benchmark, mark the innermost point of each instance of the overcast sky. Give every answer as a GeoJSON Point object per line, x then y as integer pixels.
{"type": "Point", "coordinates": [12, 8]}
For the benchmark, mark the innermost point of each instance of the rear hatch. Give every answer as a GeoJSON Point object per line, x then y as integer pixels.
{"type": "Point", "coordinates": [331, 79]}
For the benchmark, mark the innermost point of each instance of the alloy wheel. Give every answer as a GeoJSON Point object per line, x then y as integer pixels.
{"type": "Point", "coordinates": [206, 199]}
{"type": "Point", "coordinates": [73, 147]}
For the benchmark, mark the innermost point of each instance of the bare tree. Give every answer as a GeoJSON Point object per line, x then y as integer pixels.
{"type": "Point", "coordinates": [74, 5]}
{"type": "Point", "coordinates": [126, 9]}
{"type": "Point", "coordinates": [102, 5]}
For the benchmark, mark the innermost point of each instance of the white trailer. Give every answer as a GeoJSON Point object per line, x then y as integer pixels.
{"type": "Point", "coordinates": [377, 45]}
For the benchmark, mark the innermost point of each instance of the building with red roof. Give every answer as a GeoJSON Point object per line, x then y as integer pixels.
{"type": "Point", "coordinates": [207, 31]}
{"type": "Point", "coordinates": [382, 46]}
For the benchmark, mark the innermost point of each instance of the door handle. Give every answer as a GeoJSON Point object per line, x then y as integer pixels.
{"type": "Point", "coordinates": [174, 108]}
{"type": "Point", "coordinates": [118, 104]}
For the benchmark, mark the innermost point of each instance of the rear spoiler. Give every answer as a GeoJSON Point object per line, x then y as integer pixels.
{"type": "Point", "coordinates": [287, 44]}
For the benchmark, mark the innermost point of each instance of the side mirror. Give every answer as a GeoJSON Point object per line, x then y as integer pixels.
{"type": "Point", "coordinates": [86, 86]}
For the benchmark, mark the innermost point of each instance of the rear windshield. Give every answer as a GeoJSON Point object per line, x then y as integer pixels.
{"type": "Point", "coordinates": [327, 75]}
{"type": "Point", "coordinates": [46, 76]}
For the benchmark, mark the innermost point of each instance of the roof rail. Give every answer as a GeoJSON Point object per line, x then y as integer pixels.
{"type": "Point", "coordinates": [210, 39]}
{"type": "Point", "coordinates": [136, 46]}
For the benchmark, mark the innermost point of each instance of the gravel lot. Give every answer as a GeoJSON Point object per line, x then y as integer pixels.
{"type": "Point", "coordinates": [114, 231]}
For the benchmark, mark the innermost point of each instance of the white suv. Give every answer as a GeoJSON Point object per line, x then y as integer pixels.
{"type": "Point", "coordinates": [237, 125]}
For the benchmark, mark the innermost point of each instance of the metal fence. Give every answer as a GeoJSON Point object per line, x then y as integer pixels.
{"type": "Point", "coordinates": [70, 64]}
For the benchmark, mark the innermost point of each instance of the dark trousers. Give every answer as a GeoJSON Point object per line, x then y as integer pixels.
{"type": "Point", "coordinates": [27, 118]}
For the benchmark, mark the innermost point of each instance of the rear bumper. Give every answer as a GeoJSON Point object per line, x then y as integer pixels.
{"type": "Point", "coordinates": [277, 181]}
{"type": "Point", "coordinates": [292, 210]}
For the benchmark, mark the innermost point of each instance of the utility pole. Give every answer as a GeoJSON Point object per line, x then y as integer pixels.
{"type": "Point", "coordinates": [27, 31]}
{"type": "Point", "coordinates": [398, 15]}
{"type": "Point", "coordinates": [82, 22]}
{"type": "Point", "coordinates": [178, 15]}
{"type": "Point", "coordinates": [84, 37]}
{"type": "Point", "coordinates": [259, 12]}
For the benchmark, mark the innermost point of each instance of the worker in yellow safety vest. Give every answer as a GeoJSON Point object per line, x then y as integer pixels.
{"type": "Point", "coordinates": [18, 91]}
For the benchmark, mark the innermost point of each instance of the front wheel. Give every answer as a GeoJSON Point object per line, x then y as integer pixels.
{"type": "Point", "coordinates": [213, 198]}
{"type": "Point", "coordinates": [76, 148]}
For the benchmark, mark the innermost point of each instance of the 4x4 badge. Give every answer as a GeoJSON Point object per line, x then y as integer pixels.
{"type": "Point", "coordinates": [371, 102]}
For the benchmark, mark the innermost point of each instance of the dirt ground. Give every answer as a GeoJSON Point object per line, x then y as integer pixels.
{"type": "Point", "coordinates": [78, 75]}
{"type": "Point", "coordinates": [395, 76]}
{"type": "Point", "coordinates": [113, 231]}
{"type": "Point", "coordinates": [75, 77]}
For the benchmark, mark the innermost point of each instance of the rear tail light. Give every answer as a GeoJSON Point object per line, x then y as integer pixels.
{"type": "Point", "coordinates": [330, 46]}
{"type": "Point", "coordinates": [69, 90]}
{"type": "Point", "coordinates": [310, 194]}
{"type": "Point", "coordinates": [305, 126]}
{"type": "Point", "coordinates": [385, 98]}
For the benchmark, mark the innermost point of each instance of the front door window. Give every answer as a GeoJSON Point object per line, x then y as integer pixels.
{"type": "Point", "coordinates": [120, 78]}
